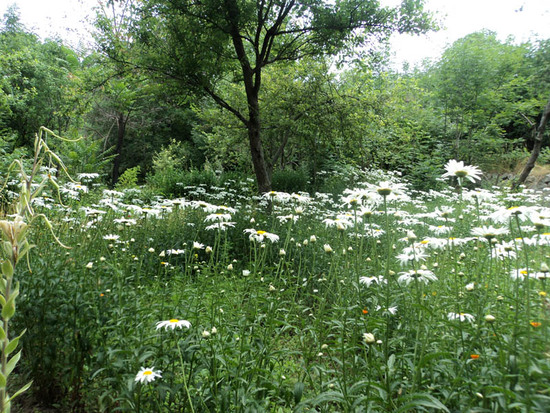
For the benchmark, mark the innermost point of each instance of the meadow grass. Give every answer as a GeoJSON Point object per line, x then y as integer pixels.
{"type": "Point", "coordinates": [381, 300]}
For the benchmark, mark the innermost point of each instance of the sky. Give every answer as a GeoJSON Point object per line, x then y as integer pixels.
{"type": "Point", "coordinates": [523, 19]}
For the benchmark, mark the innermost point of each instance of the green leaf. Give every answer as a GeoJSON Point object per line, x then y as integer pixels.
{"type": "Point", "coordinates": [298, 391]}
{"type": "Point", "coordinates": [12, 363]}
{"type": "Point", "coordinates": [21, 390]}
{"type": "Point", "coordinates": [12, 345]}
{"type": "Point", "coordinates": [8, 309]}
{"type": "Point", "coordinates": [414, 401]}
{"type": "Point", "coordinates": [7, 269]}
{"type": "Point", "coordinates": [3, 380]}
{"type": "Point", "coordinates": [2, 333]}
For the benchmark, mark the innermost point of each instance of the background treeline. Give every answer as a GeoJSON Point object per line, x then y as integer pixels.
{"type": "Point", "coordinates": [477, 103]}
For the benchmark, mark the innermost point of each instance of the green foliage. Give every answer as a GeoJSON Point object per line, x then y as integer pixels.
{"type": "Point", "coordinates": [129, 179]}
{"type": "Point", "coordinates": [289, 180]}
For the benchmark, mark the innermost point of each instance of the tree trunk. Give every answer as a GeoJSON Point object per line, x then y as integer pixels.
{"type": "Point", "coordinates": [256, 150]}
{"type": "Point", "coordinates": [252, 81]}
{"type": "Point", "coordinates": [539, 132]}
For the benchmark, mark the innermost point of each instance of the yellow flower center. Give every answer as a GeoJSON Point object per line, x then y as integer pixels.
{"type": "Point", "coordinates": [261, 232]}
{"type": "Point", "coordinates": [147, 372]}
{"type": "Point", "coordinates": [174, 320]}
{"type": "Point", "coordinates": [461, 174]}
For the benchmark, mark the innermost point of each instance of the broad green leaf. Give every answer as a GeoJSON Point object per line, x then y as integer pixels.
{"type": "Point", "coordinates": [12, 363]}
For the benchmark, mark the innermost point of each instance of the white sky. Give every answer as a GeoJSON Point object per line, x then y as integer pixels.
{"type": "Point", "coordinates": [522, 19]}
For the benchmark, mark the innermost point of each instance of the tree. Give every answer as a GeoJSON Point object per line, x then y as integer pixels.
{"type": "Point", "coordinates": [36, 79]}
{"type": "Point", "coordinates": [203, 44]}
{"type": "Point", "coordinates": [538, 133]}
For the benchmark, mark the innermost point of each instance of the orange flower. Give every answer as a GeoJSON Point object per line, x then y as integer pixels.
{"type": "Point", "coordinates": [365, 311]}
{"type": "Point", "coordinates": [535, 324]}
{"type": "Point", "coordinates": [474, 356]}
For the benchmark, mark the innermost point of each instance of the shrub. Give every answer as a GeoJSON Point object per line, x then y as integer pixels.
{"type": "Point", "coordinates": [289, 180]}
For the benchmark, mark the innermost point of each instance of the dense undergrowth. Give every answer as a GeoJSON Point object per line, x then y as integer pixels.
{"type": "Point", "coordinates": [383, 299]}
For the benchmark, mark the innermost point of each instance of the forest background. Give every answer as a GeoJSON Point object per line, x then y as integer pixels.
{"type": "Point", "coordinates": [329, 108]}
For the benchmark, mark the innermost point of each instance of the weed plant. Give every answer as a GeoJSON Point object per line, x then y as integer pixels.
{"type": "Point", "coordinates": [385, 300]}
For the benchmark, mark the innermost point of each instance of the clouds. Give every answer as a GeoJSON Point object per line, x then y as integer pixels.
{"type": "Point", "coordinates": [522, 19]}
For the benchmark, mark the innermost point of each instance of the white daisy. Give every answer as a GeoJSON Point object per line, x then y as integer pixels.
{"type": "Point", "coordinates": [147, 375]}
{"type": "Point", "coordinates": [458, 169]}
{"type": "Point", "coordinates": [461, 316]}
{"type": "Point", "coordinates": [173, 323]}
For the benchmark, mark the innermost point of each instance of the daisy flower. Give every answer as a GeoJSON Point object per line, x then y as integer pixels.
{"type": "Point", "coordinates": [147, 375]}
{"type": "Point", "coordinates": [111, 237]}
{"type": "Point", "coordinates": [259, 235]}
{"type": "Point", "coordinates": [461, 317]}
{"type": "Point", "coordinates": [173, 323]}
{"type": "Point", "coordinates": [488, 232]}
{"type": "Point", "coordinates": [458, 169]}
{"type": "Point", "coordinates": [425, 276]}
{"type": "Point", "coordinates": [217, 217]}
{"type": "Point", "coordinates": [198, 245]}
{"type": "Point", "coordinates": [369, 280]}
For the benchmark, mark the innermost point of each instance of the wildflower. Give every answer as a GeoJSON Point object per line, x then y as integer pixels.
{"type": "Point", "coordinates": [282, 252]}
{"type": "Point", "coordinates": [89, 265]}
{"type": "Point", "coordinates": [461, 317]}
{"type": "Point", "coordinates": [365, 311]}
{"type": "Point", "coordinates": [425, 276]}
{"type": "Point", "coordinates": [340, 224]}
{"type": "Point", "coordinates": [230, 267]}
{"type": "Point", "coordinates": [205, 334]}
{"type": "Point", "coordinates": [197, 245]}
{"type": "Point", "coordinates": [222, 226]}
{"type": "Point", "coordinates": [385, 188]}
{"type": "Point", "coordinates": [259, 235]}
{"type": "Point", "coordinates": [458, 169]}
{"type": "Point", "coordinates": [470, 287]}
{"type": "Point", "coordinates": [535, 324]}
{"type": "Point", "coordinates": [490, 318]}
{"type": "Point", "coordinates": [388, 311]}
{"type": "Point", "coordinates": [281, 197]}
{"type": "Point", "coordinates": [151, 249]}
{"type": "Point", "coordinates": [368, 338]}
{"type": "Point", "coordinates": [217, 217]}
{"type": "Point", "coordinates": [369, 280]}
{"type": "Point", "coordinates": [246, 273]}
{"type": "Point", "coordinates": [488, 232]}
{"type": "Point", "coordinates": [313, 239]}
{"type": "Point", "coordinates": [503, 215]}
{"type": "Point", "coordinates": [519, 273]}
{"type": "Point", "coordinates": [409, 255]}
{"type": "Point", "coordinates": [214, 331]}
{"type": "Point", "coordinates": [327, 248]}
{"type": "Point", "coordinates": [173, 323]}
{"type": "Point", "coordinates": [111, 237]}
{"type": "Point", "coordinates": [147, 375]}
{"type": "Point", "coordinates": [172, 252]}
{"type": "Point", "coordinates": [208, 250]}
{"type": "Point", "coordinates": [474, 356]}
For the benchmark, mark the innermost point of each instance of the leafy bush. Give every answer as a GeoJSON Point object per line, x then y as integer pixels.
{"type": "Point", "coordinates": [289, 180]}
{"type": "Point", "coordinates": [129, 179]}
